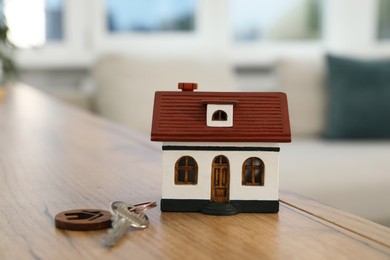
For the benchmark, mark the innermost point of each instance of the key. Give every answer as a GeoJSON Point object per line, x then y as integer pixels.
{"type": "Point", "coordinates": [126, 216]}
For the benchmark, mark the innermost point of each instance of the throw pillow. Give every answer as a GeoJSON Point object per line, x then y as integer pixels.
{"type": "Point", "coordinates": [359, 98]}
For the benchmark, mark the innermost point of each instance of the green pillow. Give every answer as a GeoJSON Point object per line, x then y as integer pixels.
{"type": "Point", "coordinates": [359, 98]}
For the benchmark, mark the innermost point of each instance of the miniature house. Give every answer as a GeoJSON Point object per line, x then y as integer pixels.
{"type": "Point", "coordinates": [220, 149]}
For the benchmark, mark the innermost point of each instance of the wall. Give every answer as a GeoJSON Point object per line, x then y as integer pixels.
{"type": "Point", "coordinates": [236, 159]}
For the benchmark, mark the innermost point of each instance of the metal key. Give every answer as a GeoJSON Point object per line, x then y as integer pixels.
{"type": "Point", "coordinates": [125, 216]}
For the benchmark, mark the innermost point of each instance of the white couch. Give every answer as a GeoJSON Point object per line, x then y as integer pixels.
{"type": "Point", "coordinates": [125, 86]}
{"type": "Point", "coordinates": [350, 175]}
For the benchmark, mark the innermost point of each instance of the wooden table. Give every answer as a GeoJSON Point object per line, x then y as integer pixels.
{"type": "Point", "coordinates": [54, 157]}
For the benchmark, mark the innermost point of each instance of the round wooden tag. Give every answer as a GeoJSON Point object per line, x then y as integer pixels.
{"type": "Point", "coordinates": [83, 219]}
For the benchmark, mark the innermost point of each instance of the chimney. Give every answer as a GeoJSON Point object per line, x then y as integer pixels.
{"type": "Point", "coordinates": [188, 86]}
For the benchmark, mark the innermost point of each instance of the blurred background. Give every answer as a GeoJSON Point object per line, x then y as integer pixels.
{"type": "Point", "coordinates": [109, 56]}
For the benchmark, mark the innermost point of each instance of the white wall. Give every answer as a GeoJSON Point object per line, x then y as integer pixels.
{"type": "Point", "coordinates": [204, 159]}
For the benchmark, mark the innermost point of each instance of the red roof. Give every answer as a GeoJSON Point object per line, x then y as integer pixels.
{"type": "Point", "coordinates": [257, 117]}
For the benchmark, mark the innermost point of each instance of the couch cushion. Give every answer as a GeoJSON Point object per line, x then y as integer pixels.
{"type": "Point", "coordinates": [302, 78]}
{"type": "Point", "coordinates": [359, 98]}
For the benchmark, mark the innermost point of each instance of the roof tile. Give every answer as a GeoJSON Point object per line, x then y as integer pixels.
{"type": "Point", "coordinates": [258, 117]}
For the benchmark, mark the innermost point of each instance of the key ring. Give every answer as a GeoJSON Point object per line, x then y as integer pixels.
{"type": "Point", "coordinates": [143, 206]}
{"type": "Point", "coordinates": [138, 208]}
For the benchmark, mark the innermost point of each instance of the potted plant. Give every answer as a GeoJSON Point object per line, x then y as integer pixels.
{"type": "Point", "coordinates": [8, 69]}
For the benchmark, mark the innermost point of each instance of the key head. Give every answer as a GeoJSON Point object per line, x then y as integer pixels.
{"type": "Point", "coordinates": [83, 219]}
{"type": "Point", "coordinates": [135, 219]}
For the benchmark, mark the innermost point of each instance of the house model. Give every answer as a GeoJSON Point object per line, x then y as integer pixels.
{"type": "Point", "coordinates": [220, 149]}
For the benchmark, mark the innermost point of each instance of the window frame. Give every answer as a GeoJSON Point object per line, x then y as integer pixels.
{"type": "Point", "coordinates": [145, 43]}
{"type": "Point", "coordinates": [70, 52]}
{"type": "Point", "coordinates": [265, 41]}
{"type": "Point", "coordinates": [253, 168]}
{"type": "Point", "coordinates": [186, 169]}
{"type": "Point", "coordinates": [85, 39]}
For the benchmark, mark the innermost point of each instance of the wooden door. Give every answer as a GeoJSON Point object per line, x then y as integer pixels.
{"type": "Point", "coordinates": [220, 179]}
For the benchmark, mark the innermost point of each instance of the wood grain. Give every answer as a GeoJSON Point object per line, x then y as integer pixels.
{"type": "Point", "coordinates": [54, 157]}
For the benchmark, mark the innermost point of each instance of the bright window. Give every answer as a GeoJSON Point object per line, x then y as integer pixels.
{"type": "Point", "coordinates": [384, 19]}
{"type": "Point", "coordinates": [150, 15]}
{"type": "Point", "coordinates": [33, 23]}
{"type": "Point", "coordinates": [255, 20]}
{"type": "Point", "coordinates": [54, 20]}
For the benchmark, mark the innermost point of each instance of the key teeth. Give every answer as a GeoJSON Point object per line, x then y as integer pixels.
{"type": "Point", "coordinates": [108, 242]}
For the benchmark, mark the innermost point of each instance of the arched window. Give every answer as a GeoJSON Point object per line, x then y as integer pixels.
{"type": "Point", "coordinates": [219, 115]}
{"type": "Point", "coordinates": [186, 171]}
{"type": "Point", "coordinates": [253, 172]}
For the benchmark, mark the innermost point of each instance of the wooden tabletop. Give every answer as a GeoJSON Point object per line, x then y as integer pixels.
{"type": "Point", "coordinates": [54, 157]}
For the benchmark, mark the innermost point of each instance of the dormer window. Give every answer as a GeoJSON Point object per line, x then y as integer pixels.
{"type": "Point", "coordinates": [219, 112]}
{"type": "Point", "coordinates": [219, 115]}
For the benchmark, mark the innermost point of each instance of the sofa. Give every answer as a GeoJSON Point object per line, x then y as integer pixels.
{"type": "Point", "coordinates": [350, 174]}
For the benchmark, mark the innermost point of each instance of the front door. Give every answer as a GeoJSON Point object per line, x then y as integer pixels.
{"type": "Point", "coordinates": [220, 179]}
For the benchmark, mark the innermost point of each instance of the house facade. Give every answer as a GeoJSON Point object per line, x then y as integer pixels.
{"type": "Point", "coordinates": [220, 149]}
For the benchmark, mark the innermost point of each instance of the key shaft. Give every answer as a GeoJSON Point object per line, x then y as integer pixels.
{"type": "Point", "coordinates": [122, 220]}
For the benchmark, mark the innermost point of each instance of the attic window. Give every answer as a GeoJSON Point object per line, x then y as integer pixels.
{"type": "Point", "coordinates": [219, 115]}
